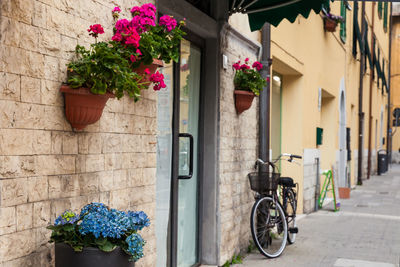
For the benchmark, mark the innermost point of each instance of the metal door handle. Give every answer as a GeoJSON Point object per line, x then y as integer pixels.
{"type": "Point", "coordinates": [187, 135]}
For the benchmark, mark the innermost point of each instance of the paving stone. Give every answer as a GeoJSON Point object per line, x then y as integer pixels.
{"type": "Point", "coordinates": [364, 232]}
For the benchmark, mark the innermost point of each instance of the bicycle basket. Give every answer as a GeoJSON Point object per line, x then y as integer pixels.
{"type": "Point", "coordinates": [263, 181]}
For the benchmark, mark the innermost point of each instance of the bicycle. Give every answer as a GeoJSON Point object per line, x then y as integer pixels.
{"type": "Point", "coordinates": [273, 223]}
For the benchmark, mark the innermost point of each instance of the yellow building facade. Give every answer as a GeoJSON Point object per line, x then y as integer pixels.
{"type": "Point", "coordinates": [315, 84]}
{"type": "Point", "coordinates": [395, 79]}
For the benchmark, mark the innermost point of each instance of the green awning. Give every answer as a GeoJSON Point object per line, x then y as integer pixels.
{"type": "Point", "coordinates": [274, 11]}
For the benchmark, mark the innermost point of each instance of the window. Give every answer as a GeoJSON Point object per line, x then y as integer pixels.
{"type": "Point", "coordinates": [343, 23]}
{"type": "Point", "coordinates": [385, 16]}
{"type": "Point", "coordinates": [380, 10]}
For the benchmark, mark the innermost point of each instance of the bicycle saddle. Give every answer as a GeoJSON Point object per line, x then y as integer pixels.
{"type": "Point", "coordinates": [286, 181]}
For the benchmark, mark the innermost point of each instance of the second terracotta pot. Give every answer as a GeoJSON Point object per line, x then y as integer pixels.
{"type": "Point", "coordinates": [243, 100]}
{"type": "Point", "coordinates": [330, 25]}
{"type": "Point", "coordinates": [152, 69]}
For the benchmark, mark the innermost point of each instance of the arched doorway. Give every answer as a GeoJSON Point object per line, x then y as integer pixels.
{"type": "Point", "coordinates": [342, 138]}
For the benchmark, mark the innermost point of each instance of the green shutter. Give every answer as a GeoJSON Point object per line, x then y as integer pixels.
{"type": "Point", "coordinates": [380, 10]}
{"type": "Point", "coordinates": [343, 23]}
{"type": "Point", "coordinates": [385, 16]}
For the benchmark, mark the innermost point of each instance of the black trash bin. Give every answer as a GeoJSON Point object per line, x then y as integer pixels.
{"type": "Point", "coordinates": [382, 162]}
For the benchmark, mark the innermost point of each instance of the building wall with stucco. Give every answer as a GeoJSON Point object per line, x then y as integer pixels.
{"type": "Point", "coordinates": [311, 61]}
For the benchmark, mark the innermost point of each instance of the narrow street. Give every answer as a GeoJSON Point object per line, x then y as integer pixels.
{"type": "Point", "coordinates": [365, 232]}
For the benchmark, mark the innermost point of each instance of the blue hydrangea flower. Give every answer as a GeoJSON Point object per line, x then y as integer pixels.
{"type": "Point", "coordinates": [67, 217]}
{"type": "Point", "coordinates": [135, 246]}
{"type": "Point", "coordinates": [138, 220]}
{"type": "Point", "coordinates": [94, 207]}
{"type": "Point", "coordinates": [105, 223]}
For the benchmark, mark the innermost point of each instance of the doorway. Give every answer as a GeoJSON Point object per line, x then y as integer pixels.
{"type": "Point", "coordinates": [178, 150]}
{"type": "Point", "coordinates": [342, 141]}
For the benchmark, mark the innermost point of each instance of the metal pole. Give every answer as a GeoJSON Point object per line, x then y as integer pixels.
{"type": "Point", "coordinates": [371, 81]}
{"type": "Point", "coordinates": [360, 100]}
{"type": "Point", "coordinates": [265, 95]}
{"type": "Point", "coordinates": [389, 104]}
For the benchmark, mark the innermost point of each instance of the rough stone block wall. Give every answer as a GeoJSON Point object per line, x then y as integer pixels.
{"type": "Point", "coordinates": [365, 164]}
{"type": "Point", "coordinates": [238, 152]}
{"type": "Point", "coordinates": [45, 167]}
{"type": "Point", "coordinates": [395, 156]}
{"type": "Point", "coordinates": [354, 165]}
{"type": "Point", "coordinates": [310, 170]}
{"type": "Point", "coordinates": [374, 162]}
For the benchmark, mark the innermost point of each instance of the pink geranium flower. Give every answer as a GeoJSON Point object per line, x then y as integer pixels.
{"type": "Point", "coordinates": [95, 29]}
{"type": "Point", "coordinates": [168, 22]}
{"type": "Point", "coordinates": [116, 9]}
{"type": "Point", "coordinates": [158, 80]}
{"type": "Point", "coordinates": [257, 65]}
{"type": "Point", "coordinates": [121, 24]}
{"type": "Point", "coordinates": [244, 67]}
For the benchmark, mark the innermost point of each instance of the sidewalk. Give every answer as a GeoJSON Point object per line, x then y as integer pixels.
{"type": "Point", "coordinates": [365, 232]}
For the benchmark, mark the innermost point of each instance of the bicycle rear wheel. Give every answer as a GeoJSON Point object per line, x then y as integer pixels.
{"type": "Point", "coordinates": [268, 227]}
{"type": "Point", "coordinates": [290, 208]}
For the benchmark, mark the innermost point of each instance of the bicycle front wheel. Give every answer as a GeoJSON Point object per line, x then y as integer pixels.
{"type": "Point", "coordinates": [268, 227]}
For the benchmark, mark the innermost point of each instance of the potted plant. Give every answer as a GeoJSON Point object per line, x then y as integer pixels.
{"type": "Point", "coordinates": [248, 83]}
{"type": "Point", "coordinates": [98, 237]}
{"type": "Point", "coordinates": [331, 21]}
{"type": "Point", "coordinates": [158, 42]}
{"type": "Point", "coordinates": [124, 65]}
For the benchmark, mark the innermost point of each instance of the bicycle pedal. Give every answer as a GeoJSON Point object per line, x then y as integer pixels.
{"type": "Point", "coordinates": [293, 230]}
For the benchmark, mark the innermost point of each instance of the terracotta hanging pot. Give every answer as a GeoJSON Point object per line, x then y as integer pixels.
{"type": "Point", "coordinates": [344, 192]}
{"type": "Point", "coordinates": [82, 107]}
{"type": "Point", "coordinates": [330, 25]}
{"type": "Point", "coordinates": [243, 100]}
{"type": "Point", "coordinates": [152, 68]}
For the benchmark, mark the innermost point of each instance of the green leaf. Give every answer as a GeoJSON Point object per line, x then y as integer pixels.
{"type": "Point", "coordinates": [69, 227]}
{"type": "Point", "coordinates": [107, 246]}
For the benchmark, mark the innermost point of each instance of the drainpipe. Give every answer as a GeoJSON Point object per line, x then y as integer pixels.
{"type": "Point", "coordinates": [265, 95]}
{"type": "Point", "coordinates": [360, 99]}
{"type": "Point", "coordinates": [389, 109]}
{"type": "Point", "coordinates": [371, 81]}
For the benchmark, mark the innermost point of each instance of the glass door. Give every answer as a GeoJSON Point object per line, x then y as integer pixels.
{"type": "Point", "coordinates": [190, 65]}
{"type": "Point", "coordinates": [177, 161]}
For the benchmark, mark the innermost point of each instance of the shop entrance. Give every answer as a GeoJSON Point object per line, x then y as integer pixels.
{"type": "Point", "coordinates": [177, 197]}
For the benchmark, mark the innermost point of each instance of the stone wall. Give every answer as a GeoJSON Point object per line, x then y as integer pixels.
{"type": "Point", "coordinates": [45, 167]}
{"type": "Point", "coordinates": [238, 151]}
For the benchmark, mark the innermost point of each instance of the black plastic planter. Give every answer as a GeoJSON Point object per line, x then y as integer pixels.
{"type": "Point", "coordinates": [90, 257]}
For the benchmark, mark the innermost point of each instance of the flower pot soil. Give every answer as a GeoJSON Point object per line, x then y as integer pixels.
{"type": "Point", "coordinates": [330, 25]}
{"type": "Point", "coordinates": [90, 257]}
{"type": "Point", "coordinates": [82, 107]}
{"type": "Point", "coordinates": [243, 100]}
{"type": "Point", "coordinates": [152, 68]}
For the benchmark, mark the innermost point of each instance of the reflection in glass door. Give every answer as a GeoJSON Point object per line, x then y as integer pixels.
{"type": "Point", "coordinates": [187, 243]}
{"type": "Point", "coordinates": [164, 164]}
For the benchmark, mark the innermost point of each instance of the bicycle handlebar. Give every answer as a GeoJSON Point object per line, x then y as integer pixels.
{"type": "Point", "coordinates": [272, 163]}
